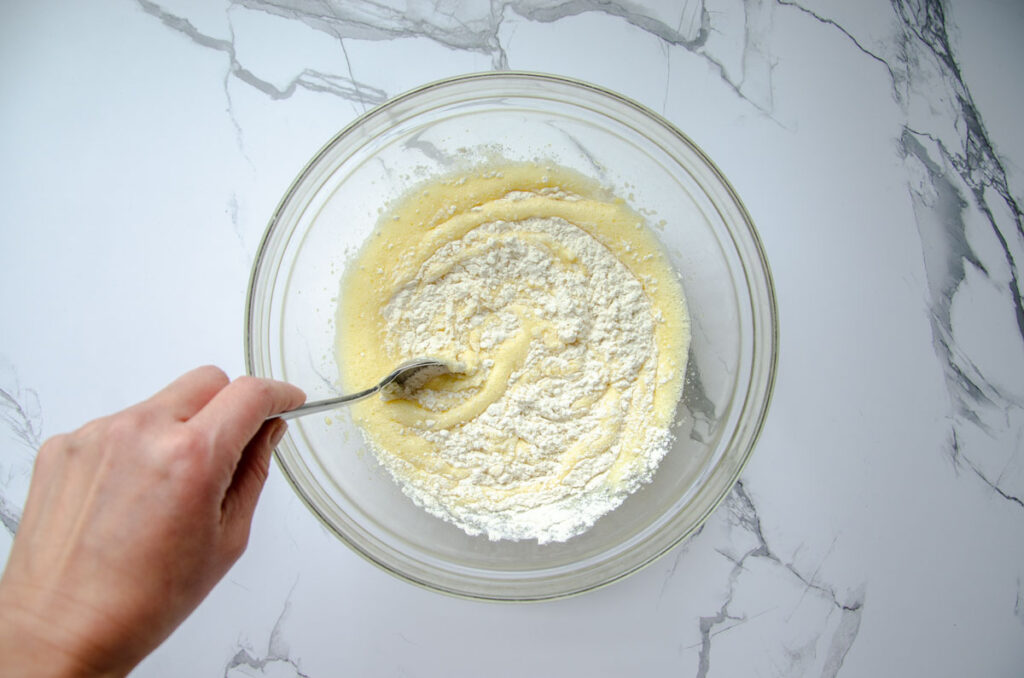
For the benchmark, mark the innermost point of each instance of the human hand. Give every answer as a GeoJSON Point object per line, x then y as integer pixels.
{"type": "Point", "coordinates": [131, 520]}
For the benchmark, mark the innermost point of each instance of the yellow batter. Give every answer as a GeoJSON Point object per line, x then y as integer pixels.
{"type": "Point", "coordinates": [569, 330]}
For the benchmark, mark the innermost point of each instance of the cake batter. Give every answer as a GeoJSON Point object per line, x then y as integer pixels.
{"type": "Point", "coordinates": [568, 329]}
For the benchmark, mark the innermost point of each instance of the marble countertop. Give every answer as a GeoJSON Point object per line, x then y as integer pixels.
{"type": "Point", "coordinates": [879, 527]}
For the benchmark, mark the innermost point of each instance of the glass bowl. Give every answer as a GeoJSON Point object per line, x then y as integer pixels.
{"type": "Point", "coordinates": [334, 204]}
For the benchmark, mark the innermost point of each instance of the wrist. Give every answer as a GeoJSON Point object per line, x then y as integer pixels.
{"type": "Point", "coordinates": [33, 645]}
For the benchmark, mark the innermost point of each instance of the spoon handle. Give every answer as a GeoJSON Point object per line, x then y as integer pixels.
{"type": "Point", "coordinates": [323, 405]}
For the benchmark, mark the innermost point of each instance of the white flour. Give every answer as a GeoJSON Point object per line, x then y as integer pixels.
{"type": "Point", "coordinates": [573, 432]}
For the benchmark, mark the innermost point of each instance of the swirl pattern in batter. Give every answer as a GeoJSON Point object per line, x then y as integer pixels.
{"type": "Point", "coordinates": [569, 329]}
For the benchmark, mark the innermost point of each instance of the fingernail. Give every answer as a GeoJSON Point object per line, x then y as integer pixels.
{"type": "Point", "coordinates": [279, 428]}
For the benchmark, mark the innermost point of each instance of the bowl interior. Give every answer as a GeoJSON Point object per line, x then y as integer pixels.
{"type": "Point", "coordinates": [334, 205]}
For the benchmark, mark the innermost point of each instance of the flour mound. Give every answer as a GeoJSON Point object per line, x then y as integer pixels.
{"type": "Point", "coordinates": [573, 430]}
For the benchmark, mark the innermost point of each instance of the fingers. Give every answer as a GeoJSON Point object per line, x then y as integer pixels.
{"type": "Point", "coordinates": [241, 497]}
{"type": "Point", "coordinates": [234, 415]}
{"type": "Point", "coordinates": [190, 392]}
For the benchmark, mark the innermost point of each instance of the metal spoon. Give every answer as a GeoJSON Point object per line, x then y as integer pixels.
{"type": "Point", "coordinates": [407, 377]}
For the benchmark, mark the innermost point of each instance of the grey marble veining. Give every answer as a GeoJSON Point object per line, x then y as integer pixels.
{"type": "Point", "coordinates": [964, 182]}
{"type": "Point", "coordinates": [956, 180]}
{"type": "Point", "coordinates": [309, 79]}
{"type": "Point", "coordinates": [764, 600]}
{"type": "Point", "coordinates": [821, 645]}
{"type": "Point", "coordinates": [725, 34]}
{"type": "Point", "coordinates": [10, 515]}
{"type": "Point", "coordinates": [275, 661]}
{"type": "Point", "coordinates": [476, 27]}
{"type": "Point", "coordinates": [21, 414]}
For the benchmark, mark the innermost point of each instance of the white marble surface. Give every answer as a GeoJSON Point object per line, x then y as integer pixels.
{"type": "Point", "coordinates": [879, 528]}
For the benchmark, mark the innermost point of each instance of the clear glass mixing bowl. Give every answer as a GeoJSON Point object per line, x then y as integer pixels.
{"type": "Point", "coordinates": [333, 205]}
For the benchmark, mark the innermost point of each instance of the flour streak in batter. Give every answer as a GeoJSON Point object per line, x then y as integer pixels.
{"type": "Point", "coordinates": [569, 328]}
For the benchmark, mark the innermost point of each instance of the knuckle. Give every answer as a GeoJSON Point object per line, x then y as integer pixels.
{"type": "Point", "coordinates": [54, 443]}
{"type": "Point", "coordinates": [122, 429]}
{"type": "Point", "coordinates": [53, 448]}
{"type": "Point", "coordinates": [190, 440]}
{"type": "Point", "coordinates": [260, 389]}
{"type": "Point", "coordinates": [214, 374]}
{"type": "Point", "coordinates": [183, 453]}
{"type": "Point", "coordinates": [89, 439]}
{"type": "Point", "coordinates": [91, 430]}
{"type": "Point", "coordinates": [188, 443]}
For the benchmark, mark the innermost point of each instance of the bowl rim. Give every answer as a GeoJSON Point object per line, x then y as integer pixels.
{"type": "Point", "coordinates": [771, 311]}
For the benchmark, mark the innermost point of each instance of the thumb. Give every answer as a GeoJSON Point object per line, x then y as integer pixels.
{"type": "Point", "coordinates": [250, 475]}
